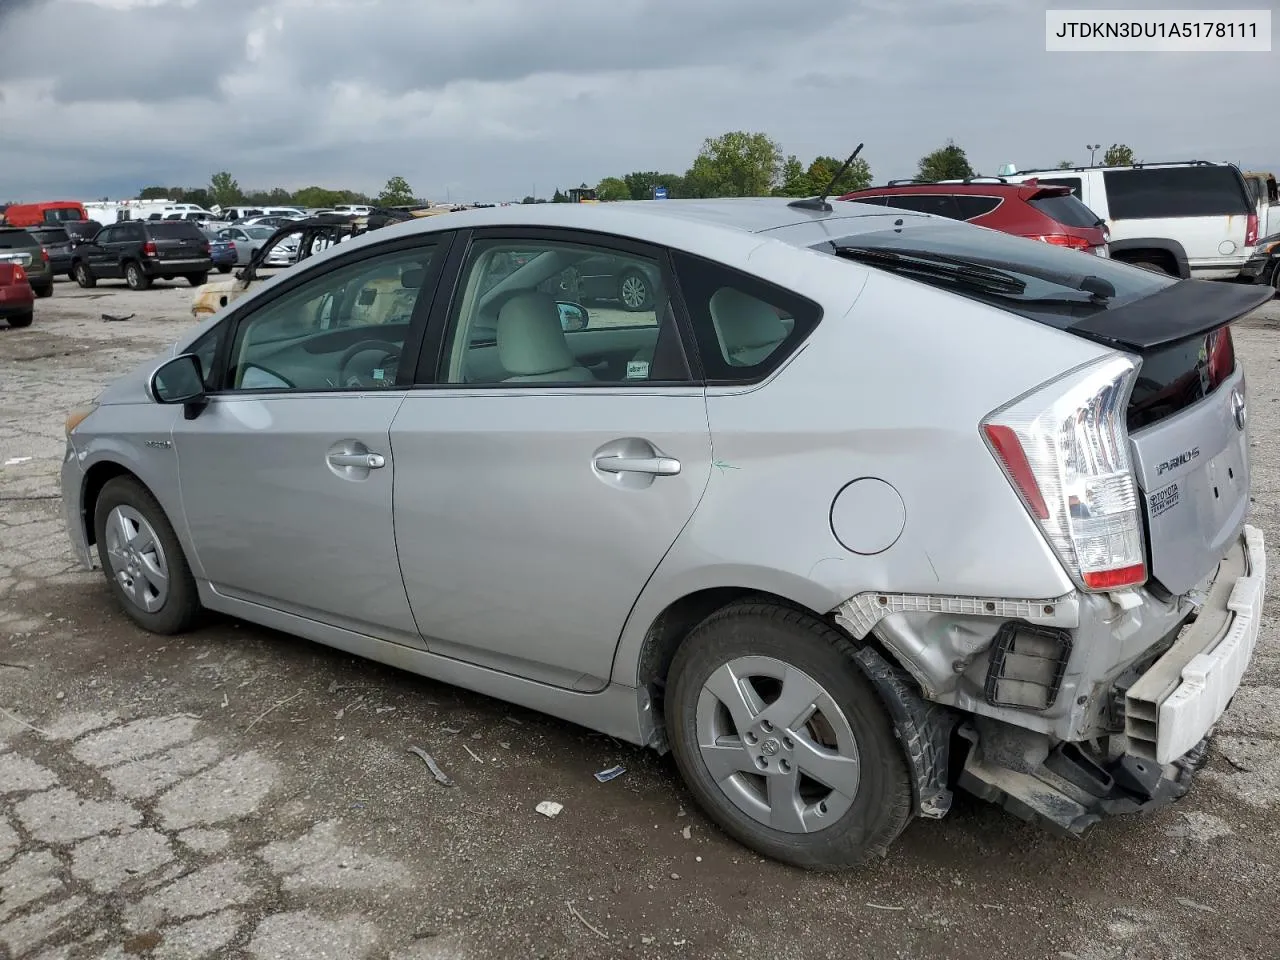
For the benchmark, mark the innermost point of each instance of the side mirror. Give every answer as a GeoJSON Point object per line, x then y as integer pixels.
{"type": "Point", "coordinates": [180, 380]}
{"type": "Point", "coordinates": [573, 316]}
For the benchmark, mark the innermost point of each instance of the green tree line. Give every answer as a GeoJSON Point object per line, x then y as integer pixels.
{"type": "Point", "coordinates": [225, 191]}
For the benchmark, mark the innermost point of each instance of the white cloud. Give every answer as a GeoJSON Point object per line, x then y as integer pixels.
{"type": "Point", "coordinates": [488, 98]}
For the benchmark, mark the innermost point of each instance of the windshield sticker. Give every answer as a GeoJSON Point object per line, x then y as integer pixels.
{"type": "Point", "coordinates": [1162, 501]}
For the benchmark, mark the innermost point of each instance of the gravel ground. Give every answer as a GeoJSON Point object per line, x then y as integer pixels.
{"type": "Point", "coordinates": [237, 792]}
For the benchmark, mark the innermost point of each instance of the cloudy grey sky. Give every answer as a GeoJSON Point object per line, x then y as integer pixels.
{"type": "Point", "coordinates": [484, 99]}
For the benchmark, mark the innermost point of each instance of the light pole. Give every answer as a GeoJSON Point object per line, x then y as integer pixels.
{"type": "Point", "coordinates": [1091, 147]}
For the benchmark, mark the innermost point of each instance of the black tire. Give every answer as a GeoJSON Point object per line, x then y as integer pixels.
{"type": "Point", "coordinates": [83, 276]}
{"type": "Point", "coordinates": [635, 292]}
{"type": "Point", "coordinates": [44, 290]}
{"type": "Point", "coordinates": [224, 269]}
{"type": "Point", "coordinates": [181, 607]}
{"type": "Point", "coordinates": [1152, 266]}
{"type": "Point", "coordinates": [22, 319]}
{"type": "Point", "coordinates": [135, 277]}
{"type": "Point", "coordinates": [197, 279]}
{"type": "Point", "coordinates": [881, 806]}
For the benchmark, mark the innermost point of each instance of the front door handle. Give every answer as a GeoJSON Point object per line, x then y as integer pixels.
{"type": "Point", "coordinates": [370, 461]}
{"type": "Point", "coordinates": [658, 466]}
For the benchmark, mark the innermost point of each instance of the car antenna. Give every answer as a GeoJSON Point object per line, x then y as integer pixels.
{"type": "Point", "coordinates": [820, 203]}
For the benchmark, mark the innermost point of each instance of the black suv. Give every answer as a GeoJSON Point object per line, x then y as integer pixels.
{"type": "Point", "coordinates": [57, 244]}
{"type": "Point", "coordinates": [143, 251]}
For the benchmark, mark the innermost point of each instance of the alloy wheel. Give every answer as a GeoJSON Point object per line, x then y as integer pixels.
{"type": "Point", "coordinates": [634, 291]}
{"type": "Point", "coordinates": [777, 744]}
{"type": "Point", "coordinates": [138, 561]}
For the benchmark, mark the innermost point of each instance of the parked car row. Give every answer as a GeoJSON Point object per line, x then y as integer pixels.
{"type": "Point", "coordinates": [1192, 219]}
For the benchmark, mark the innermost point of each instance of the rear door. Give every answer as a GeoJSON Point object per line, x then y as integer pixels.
{"type": "Point", "coordinates": [176, 241]}
{"type": "Point", "coordinates": [1205, 208]}
{"type": "Point", "coordinates": [544, 475]}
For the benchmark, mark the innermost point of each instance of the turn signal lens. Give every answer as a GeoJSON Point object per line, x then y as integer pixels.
{"type": "Point", "coordinates": [76, 417]}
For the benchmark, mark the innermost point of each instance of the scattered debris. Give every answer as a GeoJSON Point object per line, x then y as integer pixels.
{"type": "Point", "coordinates": [14, 666]}
{"type": "Point", "coordinates": [477, 735]}
{"type": "Point", "coordinates": [687, 833]}
{"type": "Point", "coordinates": [504, 745]}
{"type": "Point", "coordinates": [14, 461]}
{"type": "Point", "coordinates": [604, 776]}
{"type": "Point", "coordinates": [384, 710]}
{"type": "Point", "coordinates": [881, 906]}
{"type": "Point", "coordinates": [452, 730]}
{"type": "Point", "coordinates": [646, 940]}
{"type": "Point", "coordinates": [549, 808]}
{"type": "Point", "coordinates": [60, 695]}
{"type": "Point", "coordinates": [274, 706]}
{"type": "Point", "coordinates": [225, 701]}
{"type": "Point", "coordinates": [675, 876]}
{"type": "Point", "coordinates": [1238, 764]}
{"type": "Point", "coordinates": [681, 813]}
{"type": "Point", "coordinates": [585, 922]}
{"type": "Point", "coordinates": [117, 319]}
{"type": "Point", "coordinates": [434, 767]}
{"type": "Point", "coordinates": [21, 722]}
{"type": "Point", "coordinates": [474, 756]}
{"type": "Point", "coordinates": [699, 859]}
{"type": "Point", "coordinates": [518, 723]}
{"type": "Point", "coordinates": [1192, 905]}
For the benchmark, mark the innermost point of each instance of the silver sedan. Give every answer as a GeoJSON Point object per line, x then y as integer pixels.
{"type": "Point", "coordinates": [845, 513]}
{"type": "Point", "coordinates": [246, 239]}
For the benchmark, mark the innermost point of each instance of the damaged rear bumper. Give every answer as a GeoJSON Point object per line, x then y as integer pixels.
{"type": "Point", "coordinates": [1169, 713]}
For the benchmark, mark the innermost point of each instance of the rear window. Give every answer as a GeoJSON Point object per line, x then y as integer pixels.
{"type": "Point", "coordinates": [1209, 191]}
{"type": "Point", "coordinates": [49, 235]}
{"type": "Point", "coordinates": [17, 240]}
{"type": "Point", "coordinates": [60, 214]}
{"type": "Point", "coordinates": [1066, 210]}
{"type": "Point", "coordinates": [174, 230]}
{"type": "Point", "coordinates": [1052, 301]}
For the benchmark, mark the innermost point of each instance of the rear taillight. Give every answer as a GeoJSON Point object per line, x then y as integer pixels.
{"type": "Point", "coordinates": [206, 248]}
{"type": "Point", "coordinates": [19, 275]}
{"type": "Point", "coordinates": [1251, 230]}
{"type": "Point", "coordinates": [1063, 240]}
{"type": "Point", "coordinates": [1222, 356]}
{"type": "Point", "coordinates": [1065, 449]}
{"type": "Point", "coordinates": [149, 249]}
{"type": "Point", "coordinates": [44, 253]}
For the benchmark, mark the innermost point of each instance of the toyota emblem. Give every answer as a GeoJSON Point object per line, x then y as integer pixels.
{"type": "Point", "coordinates": [1238, 408]}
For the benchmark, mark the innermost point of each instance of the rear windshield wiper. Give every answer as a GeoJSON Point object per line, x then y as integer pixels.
{"type": "Point", "coordinates": [1098, 288]}
{"type": "Point", "coordinates": [936, 266]}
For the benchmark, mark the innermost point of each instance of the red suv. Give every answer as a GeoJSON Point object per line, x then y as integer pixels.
{"type": "Point", "coordinates": [1046, 212]}
{"type": "Point", "coordinates": [16, 295]}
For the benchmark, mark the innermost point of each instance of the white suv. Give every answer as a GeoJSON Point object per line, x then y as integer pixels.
{"type": "Point", "coordinates": [1192, 219]}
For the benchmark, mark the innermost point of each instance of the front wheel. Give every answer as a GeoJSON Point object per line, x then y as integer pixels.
{"type": "Point", "coordinates": [197, 279]}
{"type": "Point", "coordinates": [83, 276]}
{"type": "Point", "coordinates": [634, 291]}
{"type": "Point", "coordinates": [134, 277]}
{"type": "Point", "coordinates": [782, 739]}
{"type": "Point", "coordinates": [143, 560]}
{"type": "Point", "coordinates": [44, 290]}
{"type": "Point", "coordinates": [22, 319]}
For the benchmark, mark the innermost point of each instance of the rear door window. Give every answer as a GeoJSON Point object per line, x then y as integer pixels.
{"type": "Point", "coordinates": [1145, 194]}
{"type": "Point", "coordinates": [971, 207]}
{"type": "Point", "coordinates": [47, 236]}
{"type": "Point", "coordinates": [942, 205]}
{"type": "Point", "coordinates": [744, 327]}
{"type": "Point", "coordinates": [174, 230]}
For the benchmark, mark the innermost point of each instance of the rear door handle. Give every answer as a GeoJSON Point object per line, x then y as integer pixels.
{"type": "Point", "coordinates": [370, 461]}
{"type": "Point", "coordinates": [658, 466]}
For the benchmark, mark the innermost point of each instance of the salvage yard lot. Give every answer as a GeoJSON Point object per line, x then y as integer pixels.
{"type": "Point", "coordinates": [241, 792]}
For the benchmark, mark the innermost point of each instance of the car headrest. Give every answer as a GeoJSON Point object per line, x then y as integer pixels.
{"type": "Point", "coordinates": [742, 322]}
{"type": "Point", "coordinates": [530, 336]}
{"type": "Point", "coordinates": [412, 278]}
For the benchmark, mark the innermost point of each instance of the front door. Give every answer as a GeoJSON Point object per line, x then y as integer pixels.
{"type": "Point", "coordinates": [287, 474]}
{"type": "Point", "coordinates": [544, 474]}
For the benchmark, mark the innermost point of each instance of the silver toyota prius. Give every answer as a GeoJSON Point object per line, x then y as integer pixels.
{"type": "Point", "coordinates": [852, 508]}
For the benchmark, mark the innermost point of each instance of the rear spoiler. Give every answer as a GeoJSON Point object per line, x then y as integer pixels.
{"type": "Point", "coordinates": [1033, 189]}
{"type": "Point", "coordinates": [1182, 310]}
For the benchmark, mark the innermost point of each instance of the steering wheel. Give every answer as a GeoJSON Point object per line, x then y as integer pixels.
{"type": "Point", "coordinates": [388, 354]}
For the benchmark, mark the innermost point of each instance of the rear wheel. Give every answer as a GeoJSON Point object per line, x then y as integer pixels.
{"type": "Point", "coordinates": [134, 277]}
{"type": "Point", "coordinates": [83, 276]}
{"type": "Point", "coordinates": [1152, 266]}
{"type": "Point", "coordinates": [44, 290]}
{"type": "Point", "coordinates": [634, 291]}
{"type": "Point", "coordinates": [143, 560]}
{"type": "Point", "coordinates": [197, 279]}
{"type": "Point", "coordinates": [783, 740]}
{"type": "Point", "coordinates": [22, 319]}
{"type": "Point", "coordinates": [224, 268]}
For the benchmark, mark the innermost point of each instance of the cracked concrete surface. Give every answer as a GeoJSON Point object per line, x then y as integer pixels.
{"type": "Point", "coordinates": [143, 813]}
